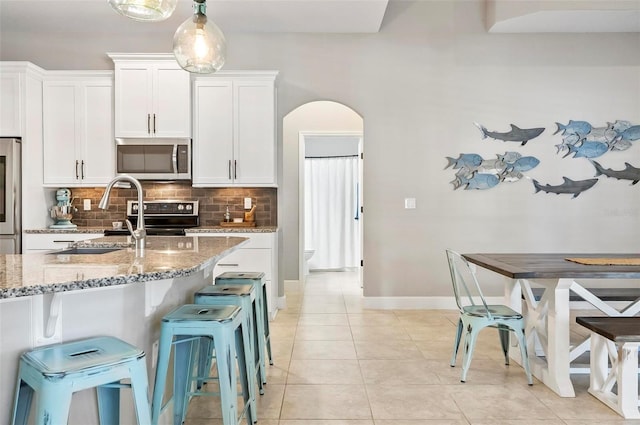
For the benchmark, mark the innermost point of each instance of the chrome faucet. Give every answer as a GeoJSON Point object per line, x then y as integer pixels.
{"type": "Point", "coordinates": [140, 233]}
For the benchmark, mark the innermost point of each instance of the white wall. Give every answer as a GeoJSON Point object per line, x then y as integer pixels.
{"type": "Point", "coordinates": [419, 85]}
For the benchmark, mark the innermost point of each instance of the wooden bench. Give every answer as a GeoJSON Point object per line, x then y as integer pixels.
{"type": "Point", "coordinates": [614, 339]}
{"type": "Point", "coordinates": [605, 294]}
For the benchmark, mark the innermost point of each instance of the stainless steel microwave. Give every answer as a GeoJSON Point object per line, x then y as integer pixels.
{"type": "Point", "coordinates": [154, 159]}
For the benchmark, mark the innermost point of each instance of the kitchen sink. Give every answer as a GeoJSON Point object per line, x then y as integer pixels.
{"type": "Point", "coordinates": [85, 251]}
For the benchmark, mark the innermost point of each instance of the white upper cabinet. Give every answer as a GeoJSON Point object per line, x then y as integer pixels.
{"type": "Point", "coordinates": [10, 105]}
{"type": "Point", "coordinates": [152, 97]}
{"type": "Point", "coordinates": [234, 129]}
{"type": "Point", "coordinates": [79, 149]}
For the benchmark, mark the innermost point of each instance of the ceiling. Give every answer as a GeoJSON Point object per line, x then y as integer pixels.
{"type": "Point", "coordinates": [288, 16]}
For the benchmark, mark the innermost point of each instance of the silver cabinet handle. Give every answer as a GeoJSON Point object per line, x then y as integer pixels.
{"type": "Point", "coordinates": [229, 169]}
{"type": "Point", "coordinates": [154, 123]}
{"type": "Point", "coordinates": [228, 265]}
{"type": "Point", "coordinates": [235, 169]}
{"type": "Point", "coordinates": [63, 241]}
{"type": "Point", "coordinates": [76, 169]}
{"type": "Point", "coordinates": [82, 169]}
{"type": "Point", "coordinates": [148, 123]}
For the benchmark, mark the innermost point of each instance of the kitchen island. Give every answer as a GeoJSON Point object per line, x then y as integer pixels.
{"type": "Point", "coordinates": [59, 297]}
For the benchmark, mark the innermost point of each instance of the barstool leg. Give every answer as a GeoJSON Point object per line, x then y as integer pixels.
{"type": "Point", "coordinates": [109, 403]}
{"type": "Point", "coordinates": [140, 389]}
{"type": "Point", "coordinates": [22, 404]}
{"type": "Point", "coordinates": [204, 360]}
{"type": "Point", "coordinates": [54, 404]}
{"type": "Point", "coordinates": [182, 369]}
{"type": "Point", "coordinates": [247, 372]}
{"type": "Point", "coordinates": [225, 359]}
{"type": "Point", "coordinates": [164, 351]}
{"type": "Point", "coordinates": [267, 332]}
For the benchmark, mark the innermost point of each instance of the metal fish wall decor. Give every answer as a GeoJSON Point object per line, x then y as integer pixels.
{"type": "Point", "coordinates": [580, 139]}
{"type": "Point", "coordinates": [474, 172]}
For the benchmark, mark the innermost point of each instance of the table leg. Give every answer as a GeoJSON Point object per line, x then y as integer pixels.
{"type": "Point", "coordinates": [557, 375]}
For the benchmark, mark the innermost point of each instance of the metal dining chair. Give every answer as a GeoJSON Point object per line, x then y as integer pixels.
{"type": "Point", "coordinates": [476, 314]}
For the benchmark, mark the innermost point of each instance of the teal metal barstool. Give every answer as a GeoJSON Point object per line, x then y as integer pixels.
{"type": "Point", "coordinates": [245, 297]}
{"type": "Point", "coordinates": [55, 372]}
{"type": "Point", "coordinates": [184, 328]}
{"type": "Point", "coordinates": [257, 280]}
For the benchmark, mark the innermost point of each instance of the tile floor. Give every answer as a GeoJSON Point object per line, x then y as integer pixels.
{"type": "Point", "coordinates": [337, 363]}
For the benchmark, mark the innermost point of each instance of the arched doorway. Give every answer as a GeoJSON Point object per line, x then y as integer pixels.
{"type": "Point", "coordinates": [324, 121]}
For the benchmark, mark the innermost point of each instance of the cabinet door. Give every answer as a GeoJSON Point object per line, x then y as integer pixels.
{"type": "Point", "coordinates": [213, 133]}
{"type": "Point", "coordinates": [171, 102]}
{"type": "Point", "coordinates": [98, 147]}
{"type": "Point", "coordinates": [254, 147]}
{"type": "Point", "coordinates": [10, 105]}
{"type": "Point", "coordinates": [60, 133]}
{"type": "Point", "coordinates": [133, 100]}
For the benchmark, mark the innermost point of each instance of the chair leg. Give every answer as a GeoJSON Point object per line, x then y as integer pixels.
{"type": "Point", "coordinates": [267, 332]}
{"type": "Point", "coordinates": [503, 331]}
{"type": "Point", "coordinates": [469, 344]}
{"type": "Point", "coordinates": [182, 369]}
{"type": "Point", "coordinates": [162, 367]}
{"type": "Point", "coordinates": [54, 404]}
{"type": "Point", "coordinates": [204, 360]}
{"type": "Point", "coordinates": [522, 342]}
{"type": "Point", "coordinates": [140, 390]}
{"type": "Point", "coordinates": [456, 343]}
{"type": "Point", "coordinates": [247, 373]}
{"type": "Point", "coordinates": [22, 405]}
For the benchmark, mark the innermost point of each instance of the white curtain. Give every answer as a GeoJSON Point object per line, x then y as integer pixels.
{"type": "Point", "coordinates": [332, 212]}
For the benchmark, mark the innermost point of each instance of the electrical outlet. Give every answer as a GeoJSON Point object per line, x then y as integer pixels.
{"type": "Point", "coordinates": [409, 203]}
{"type": "Point", "coordinates": [247, 203]}
{"type": "Point", "coordinates": [87, 205]}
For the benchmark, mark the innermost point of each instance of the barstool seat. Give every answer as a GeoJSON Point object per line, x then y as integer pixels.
{"type": "Point", "coordinates": [256, 279]}
{"type": "Point", "coordinates": [245, 297]}
{"type": "Point", "coordinates": [184, 328]}
{"type": "Point", "coordinates": [55, 372]}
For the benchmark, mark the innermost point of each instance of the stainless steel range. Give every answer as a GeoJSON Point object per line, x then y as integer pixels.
{"type": "Point", "coordinates": [166, 218]}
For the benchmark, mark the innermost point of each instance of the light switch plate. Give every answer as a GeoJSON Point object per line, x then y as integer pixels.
{"type": "Point", "coordinates": [247, 203]}
{"type": "Point", "coordinates": [87, 205]}
{"type": "Point", "coordinates": [409, 203]}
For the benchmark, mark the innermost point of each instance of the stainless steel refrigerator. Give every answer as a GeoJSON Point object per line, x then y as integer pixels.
{"type": "Point", "coordinates": [10, 196]}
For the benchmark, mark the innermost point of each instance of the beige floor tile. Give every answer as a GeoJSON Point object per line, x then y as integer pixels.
{"type": "Point", "coordinates": [489, 402]}
{"type": "Point", "coordinates": [315, 308]}
{"type": "Point", "coordinates": [324, 372]}
{"type": "Point", "coordinates": [286, 319]}
{"type": "Point", "coordinates": [378, 333]}
{"type": "Point", "coordinates": [519, 422]}
{"type": "Point", "coordinates": [321, 350]}
{"type": "Point", "coordinates": [421, 422]}
{"type": "Point", "coordinates": [323, 333]}
{"type": "Point", "coordinates": [326, 422]}
{"type": "Point", "coordinates": [374, 319]}
{"type": "Point", "coordinates": [394, 372]}
{"type": "Point", "coordinates": [282, 332]}
{"type": "Point", "coordinates": [327, 319]}
{"type": "Point", "coordinates": [270, 403]}
{"type": "Point", "coordinates": [412, 402]}
{"type": "Point", "coordinates": [325, 402]}
{"type": "Point", "coordinates": [387, 350]}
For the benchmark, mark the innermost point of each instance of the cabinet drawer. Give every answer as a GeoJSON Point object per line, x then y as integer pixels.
{"type": "Point", "coordinates": [256, 240]}
{"type": "Point", "coordinates": [246, 260]}
{"type": "Point", "coordinates": [43, 242]}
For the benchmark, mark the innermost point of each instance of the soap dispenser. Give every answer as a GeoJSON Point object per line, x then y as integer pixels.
{"type": "Point", "coordinates": [227, 215]}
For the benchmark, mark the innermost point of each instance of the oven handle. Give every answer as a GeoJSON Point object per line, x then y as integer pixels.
{"type": "Point", "coordinates": [174, 158]}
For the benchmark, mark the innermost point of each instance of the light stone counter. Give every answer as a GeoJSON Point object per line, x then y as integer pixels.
{"type": "Point", "coordinates": [52, 298]}
{"type": "Point", "coordinates": [200, 229]}
{"type": "Point", "coordinates": [164, 258]}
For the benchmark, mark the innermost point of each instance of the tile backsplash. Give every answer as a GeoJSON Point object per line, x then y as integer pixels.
{"type": "Point", "coordinates": [212, 202]}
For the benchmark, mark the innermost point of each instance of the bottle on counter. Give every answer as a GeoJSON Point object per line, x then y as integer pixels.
{"type": "Point", "coordinates": [227, 215]}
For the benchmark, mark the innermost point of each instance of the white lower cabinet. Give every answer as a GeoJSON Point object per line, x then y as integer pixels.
{"type": "Point", "coordinates": [257, 255]}
{"type": "Point", "coordinates": [34, 243]}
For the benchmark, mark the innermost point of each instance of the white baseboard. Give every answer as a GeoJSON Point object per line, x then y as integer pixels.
{"type": "Point", "coordinates": [418, 303]}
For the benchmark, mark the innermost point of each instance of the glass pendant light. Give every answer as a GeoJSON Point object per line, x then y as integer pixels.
{"type": "Point", "coordinates": [144, 10]}
{"type": "Point", "coordinates": [198, 44]}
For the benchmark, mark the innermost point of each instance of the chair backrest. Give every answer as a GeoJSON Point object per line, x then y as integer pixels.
{"type": "Point", "coordinates": [465, 283]}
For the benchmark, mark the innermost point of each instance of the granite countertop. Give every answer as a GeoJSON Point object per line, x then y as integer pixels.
{"type": "Point", "coordinates": [164, 258]}
{"type": "Point", "coordinates": [201, 229]}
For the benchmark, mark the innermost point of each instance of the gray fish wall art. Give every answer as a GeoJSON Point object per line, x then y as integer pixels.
{"type": "Point", "coordinates": [517, 134]}
{"type": "Point", "coordinates": [504, 168]}
{"type": "Point", "coordinates": [587, 150]}
{"type": "Point", "coordinates": [581, 128]}
{"type": "Point", "coordinates": [569, 186]}
{"type": "Point", "coordinates": [509, 157]}
{"type": "Point", "coordinates": [629, 173]}
{"type": "Point", "coordinates": [525, 163]}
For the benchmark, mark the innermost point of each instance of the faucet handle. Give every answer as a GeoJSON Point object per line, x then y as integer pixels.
{"type": "Point", "coordinates": [129, 226]}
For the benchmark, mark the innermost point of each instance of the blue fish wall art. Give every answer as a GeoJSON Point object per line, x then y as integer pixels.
{"type": "Point", "coordinates": [477, 173]}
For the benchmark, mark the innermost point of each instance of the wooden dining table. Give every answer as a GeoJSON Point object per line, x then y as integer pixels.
{"type": "Point", "coordinates": [547, 316]}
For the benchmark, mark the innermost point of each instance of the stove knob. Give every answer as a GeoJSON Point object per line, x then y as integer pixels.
{"type": "Point", "coordinates": [135, 207]}
{"type": "Point", "coordinates": [180, 207]}
{"type": "Point", "coordinates": [189, 207]}
{"type": "Point", "coordinates": [144, 207]}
